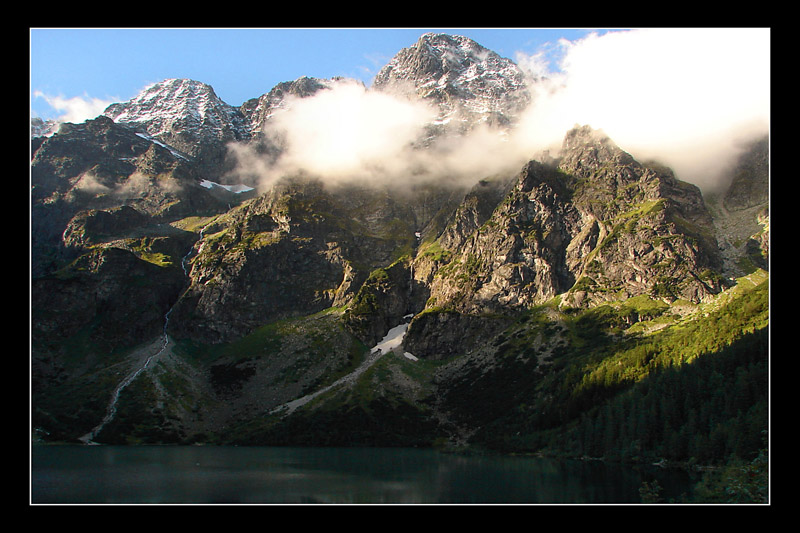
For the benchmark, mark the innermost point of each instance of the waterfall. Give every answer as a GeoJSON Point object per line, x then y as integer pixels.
{"type": "Point", "coordinates": [111, 410]}
{"type": "Point", "coordinates": [418, 236]}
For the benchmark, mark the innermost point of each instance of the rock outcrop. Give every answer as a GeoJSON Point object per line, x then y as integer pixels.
{"type": "Point", "coordinates": [595, 226]}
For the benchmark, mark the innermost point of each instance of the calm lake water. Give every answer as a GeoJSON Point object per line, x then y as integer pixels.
{"type": "Point", "coordinates": [256, 475]}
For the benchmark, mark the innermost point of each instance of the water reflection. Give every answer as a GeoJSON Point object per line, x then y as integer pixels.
{"type": "Point", "coordinates": [177, 474]}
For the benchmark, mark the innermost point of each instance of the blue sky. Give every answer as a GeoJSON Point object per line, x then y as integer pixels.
{"type": "Point", "coordinates": [113, 65]}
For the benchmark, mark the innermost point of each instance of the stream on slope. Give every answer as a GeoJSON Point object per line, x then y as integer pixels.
{"type": "Point", "coordinates": [111, 410]}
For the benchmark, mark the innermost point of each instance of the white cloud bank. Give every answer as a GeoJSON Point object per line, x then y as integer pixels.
{"type": "Point", "coordinates": [687, 97]}
{"type": "Point", "coordinates": [349, 130]}
{"type": "Point", "coordinates": [350, 133]}
{"type": "Point", "coordinates": [76, 109]}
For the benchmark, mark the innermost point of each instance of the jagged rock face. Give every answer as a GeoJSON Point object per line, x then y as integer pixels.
{"type": "Point", "coordinates": [97, 147]}
{"type": "Point", "coordinates": [749, 185]}
{"type": "Point", "coordinates": [615, 180]}
{"type": "Point", "coordinates": [186, 115]}
{"type": "Point", "coordinates": [381, 303]}
{"type": "Point", "coordinates": [101, 165]}
{"type": "Point", "coordinates": [259, 110]}
{"type": "Point", "coordinates": [295, 250]}
{"type": "Point", "coordinates": [468, 83]}
{"type": "Point", "coordinates": [516, 257]}
{"type": "Point", "coordinates": [174, 108]}
{"type": "Point", "coordinates": [251, 268]}
{"type": "Point", "coordinates": [654, 232]}
{"type": "Point", "coordinates": [598, 226]}
{"type": "Point", "coordinates": [109, 294]}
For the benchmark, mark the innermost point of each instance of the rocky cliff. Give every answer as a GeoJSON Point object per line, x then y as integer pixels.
{"type": "Point", "coordinates": [594, 224]}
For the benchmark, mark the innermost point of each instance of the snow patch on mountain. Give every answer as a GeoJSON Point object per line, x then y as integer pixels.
{"type": "Point", "coordinates": [236, 189]}
{"type": "Point", "coordinates": [172, 150]}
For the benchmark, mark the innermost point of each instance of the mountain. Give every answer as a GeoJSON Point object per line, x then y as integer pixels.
{"type": "Point", "coordinates": [176, 109]}
{"type": "Point", "coordinates": [528, 311]}
{"type": "Point", "coordinates": [186, 115]}
{"type": "Point", "coordinates": [101, 165]}
{"type": "Point", "coordinates": [467, 82]}
{"type": "Point", "coordinates": [597, 225]}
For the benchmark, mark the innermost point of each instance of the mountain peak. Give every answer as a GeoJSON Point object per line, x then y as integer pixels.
{"type": "Point", "coordinates": [443, 58]}
{"type": "Point", "coordinates": [175, 108]}
{"type": "Point", "coordinates": [157, 97]}
{"type": "Point", "coordinates": [586, 148]}
{"type": "Point", "coordinates": [445, 43]}
{"type": "Point", "coordinates": [466, 80]}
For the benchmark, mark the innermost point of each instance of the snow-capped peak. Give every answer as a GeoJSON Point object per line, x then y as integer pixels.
{"type": "Point", "coordinates": [459, 75]}
{"type": "Point", "coordinates": [176, 105]}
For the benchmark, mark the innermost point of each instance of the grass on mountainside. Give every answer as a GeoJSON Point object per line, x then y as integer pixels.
{"type": "Point", "coordinates": [692, 392]}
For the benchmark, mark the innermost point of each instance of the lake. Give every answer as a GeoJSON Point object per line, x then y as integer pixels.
{"type": "Point", "coordinates": [273, 475]}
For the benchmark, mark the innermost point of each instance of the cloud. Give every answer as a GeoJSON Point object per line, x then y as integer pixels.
{"type": "Point", "coordinates": [688, 97]}
{"type": "Point", "coordinates": [350, 133]}
{"type": "Point", "coordinates": [132, 187]}
{"type": "Point", "coordinates": [348, 129]}
{"type": "Point", "coordinates": [76, 109]}
{"type": "Point", "coordinates": [342, 133]}
{"type": "Point", "coordinates": [91, 184]}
